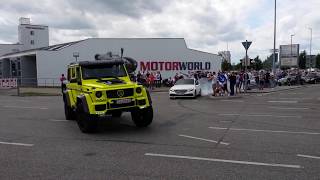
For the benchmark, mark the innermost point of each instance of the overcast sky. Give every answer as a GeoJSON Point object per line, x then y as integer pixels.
{"type": "Point", "coordinates": [207, 25]}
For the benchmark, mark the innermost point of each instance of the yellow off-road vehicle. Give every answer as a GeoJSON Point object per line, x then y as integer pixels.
{"type": "Point", "coordinates": [103, 87]}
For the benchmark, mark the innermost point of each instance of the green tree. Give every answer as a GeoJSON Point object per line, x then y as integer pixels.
{"type": "Point", "coordinates": [225, 66]}
{"type": "Point", "coordinates": [257, 63]}
{"type": "Point", "coordinates": [318, 61]}
{"type": "Point", "coordinates": [237, 67]}
{"type": "Point", "coordinates": [267, 64]}
{"type": "Point", "coordinates": [302, 60]}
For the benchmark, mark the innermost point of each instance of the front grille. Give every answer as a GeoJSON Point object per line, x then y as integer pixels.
{"type": "Point", "coordinates": [121, 105]}
{"type": "Point", "coordinates": [115, 94]}
{"type": "Point", "coordinates": [180, 91]}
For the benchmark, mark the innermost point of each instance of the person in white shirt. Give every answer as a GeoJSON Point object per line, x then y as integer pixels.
{"type": "Point", "coordinates": [213, 79]}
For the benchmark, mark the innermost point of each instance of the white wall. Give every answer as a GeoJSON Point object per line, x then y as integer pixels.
{"type": "Point", "coordinates": [28, 70]}
{"type": "Point", "coordinates": [40, 36]}
{"type": "Point", "coordinates": [51, 64]}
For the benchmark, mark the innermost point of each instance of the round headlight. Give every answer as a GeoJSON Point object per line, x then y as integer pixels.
{"type": "Point", "coordinates": [98, 94]}
{"type": "Point", "coordinates": [138, 90]}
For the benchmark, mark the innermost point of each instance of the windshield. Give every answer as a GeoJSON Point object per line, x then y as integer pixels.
{"type": "Point", "coordinates": [103, 71]}
{"type": "Point", "coordinates": [185, 81]}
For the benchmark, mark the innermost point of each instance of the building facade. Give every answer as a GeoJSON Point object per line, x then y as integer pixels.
{"type": "Point", "coordinates": [45, 64]}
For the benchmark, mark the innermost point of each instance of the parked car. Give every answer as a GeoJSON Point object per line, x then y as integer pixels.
{"type": "Point", "coordinates": [185, 88]}
{"type": "Point", "coordinates": [288, 80]}
{"type": "Point", "coordinates": [311, 78]}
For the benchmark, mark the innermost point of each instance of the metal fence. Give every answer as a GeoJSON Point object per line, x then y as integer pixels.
{"type": "Point", "coordinates": [29, 82]}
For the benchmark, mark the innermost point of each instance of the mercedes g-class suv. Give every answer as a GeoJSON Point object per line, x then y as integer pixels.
{"type": "Point", "coordinates": [103, 87]}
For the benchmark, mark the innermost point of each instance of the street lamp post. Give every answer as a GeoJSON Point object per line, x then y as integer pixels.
{"type": "Point", "coordinates": [310, 47]}
{"type": "Point", "coordinates": [274, 37]}
{"type": "Point", "coordinates": [291, 45]}
{"type": "Point", "coordinates": [76, 55]}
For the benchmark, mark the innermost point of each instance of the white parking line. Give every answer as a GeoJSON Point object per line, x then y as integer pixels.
{"type": "Point", "coordinates": [261, 115]}
{"type": "Point", "coordinates": [202, 139]}
{"type": "Point", "coordinates": [293, 98]}
{"type": "Point", "coordinates": [268, 131]}
{"type": "Point", "coordinates": [283, 102]}
{"type": "Point", "coordinates": [308, 156]}
{"type": "Point", "coordinates": [16, 144]}
{"type": "Point", "coordinates": [25, 107]}
{"type": "Point", "coordinates": [224, 160]}
{"type": "Point", "coordinates": [288, 108]}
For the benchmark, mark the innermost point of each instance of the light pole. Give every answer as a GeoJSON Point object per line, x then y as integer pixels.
{"type": "Point", "coordinates": [310, 47]}
{"type": "Point", "coordinates": [291, 45]}
{"type": "Point", "coordinates": [76, 55]}
{"type": "Point", "coordinates": [274, 37]}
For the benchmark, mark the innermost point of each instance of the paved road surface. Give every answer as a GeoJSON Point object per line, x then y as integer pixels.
{"type": "Point", "coordinates": [269, 136]}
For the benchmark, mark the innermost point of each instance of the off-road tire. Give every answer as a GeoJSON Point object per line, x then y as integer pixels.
{"type": "Point", "coordinates": [142, 117]}
{"type": "Point", "coordinates": [69, 113]}
{"type": "Point", "coordinates": [86, 122]}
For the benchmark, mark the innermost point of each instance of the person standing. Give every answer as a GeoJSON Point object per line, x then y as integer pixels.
{"type": "Point", "coordinates": [261, 80]}
{"type": "Point", "coordinates": [241, 80]}
{"type": "Point", "coordinates": [225, 85]}
{"type": "Point", "coordinates": [237, 83]}
{"type": "Point", "coordinates": [62, 81]}
{"type": "Point", "coordinates": [222, 80]}
{"type": "Point", "coordinates": [139, 77]}
{"type": "Point", "coordinates": [233, 81]}
{"type": "Point", "coordinates": [151, 80]}
{"type": "Point", "coordinates": [213, 79]}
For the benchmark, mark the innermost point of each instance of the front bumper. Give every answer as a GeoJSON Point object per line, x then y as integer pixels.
{"type": "Point", "coordinates": [182, 94]}
{"type": "Point", "coordinates": [105, 108]}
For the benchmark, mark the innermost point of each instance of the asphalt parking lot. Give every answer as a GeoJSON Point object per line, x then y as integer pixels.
{"type": "Point", "coordinates": [259, 136]}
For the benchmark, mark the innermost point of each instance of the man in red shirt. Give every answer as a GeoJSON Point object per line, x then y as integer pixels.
{"type": "Point", "coordinates": [63, 85]}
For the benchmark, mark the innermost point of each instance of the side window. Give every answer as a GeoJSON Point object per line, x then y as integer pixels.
{"type": "Point", "coordinates": [72, 75]}
{"type": "Point", "coordinates": [78, 75]}
{"type": "Point", "coordinates": [69, 74]}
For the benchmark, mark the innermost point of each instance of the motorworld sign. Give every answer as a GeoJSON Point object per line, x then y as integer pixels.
{"type": "Point", "coordinates": [174, 66]}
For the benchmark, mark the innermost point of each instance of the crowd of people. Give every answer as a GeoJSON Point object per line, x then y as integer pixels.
{"type": "Point", "coordinates": [223, 83]}
{"type": "Point", "coordinates": [149, 79]}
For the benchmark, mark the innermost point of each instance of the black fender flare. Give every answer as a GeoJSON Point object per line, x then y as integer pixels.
{"type": "Point", "coordinates": [66, 98]}
{"type": "Point", "coordinates": [149, 97]}
{"type": "Point", "coordinates": [84, 103]}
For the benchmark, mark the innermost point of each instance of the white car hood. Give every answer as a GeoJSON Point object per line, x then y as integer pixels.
{"type": "Point", "coordinates": [182, 87]}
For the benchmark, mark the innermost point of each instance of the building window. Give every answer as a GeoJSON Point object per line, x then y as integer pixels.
{"type": "Point", "coordinates": [32, 42]}
{"type": "Point", "coordinates": [31, 33]}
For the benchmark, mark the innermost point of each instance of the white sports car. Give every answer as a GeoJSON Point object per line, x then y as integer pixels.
{"type": "Point", "coordinates": [185, 88]}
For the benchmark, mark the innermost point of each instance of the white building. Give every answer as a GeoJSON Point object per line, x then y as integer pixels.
{"type": "Point", "coordinates": [45, 64]}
